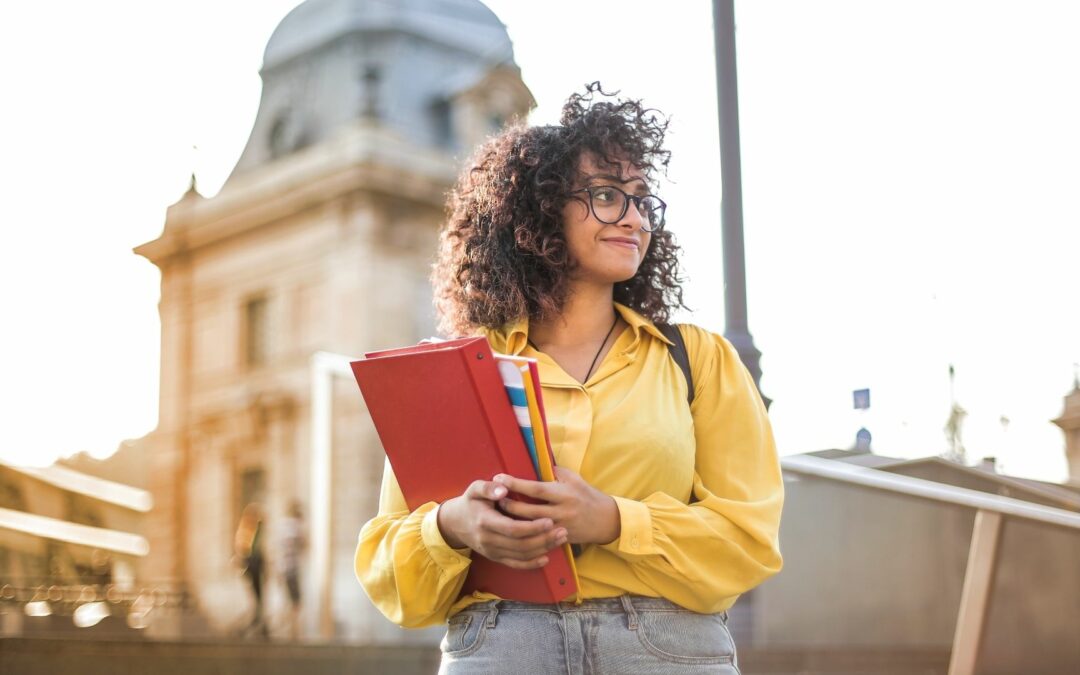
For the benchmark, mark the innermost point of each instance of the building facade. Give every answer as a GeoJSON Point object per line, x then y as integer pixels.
{"type": "Point", "coordinates": [1069, 423]}
{"type": "Point", "coordinates": [320, 241]}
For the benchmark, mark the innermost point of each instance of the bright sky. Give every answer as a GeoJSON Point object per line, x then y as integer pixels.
{"type": "Point", "coordinates": [910, 189]}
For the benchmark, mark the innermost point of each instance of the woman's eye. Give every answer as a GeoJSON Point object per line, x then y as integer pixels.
{"type": "Point", "coordinates": [604, 195]}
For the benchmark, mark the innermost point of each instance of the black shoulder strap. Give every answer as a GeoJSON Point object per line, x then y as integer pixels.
{"type": "Point", "coordinates": [679, 353]}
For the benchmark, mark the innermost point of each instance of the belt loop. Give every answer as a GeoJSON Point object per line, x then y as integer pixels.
{"type": "Point", "coordinates": [631, 613]}
{"type": "Point", "coordinates": [493, 614]}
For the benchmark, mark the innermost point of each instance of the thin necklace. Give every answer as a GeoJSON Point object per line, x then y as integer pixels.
{"type": "Point", "coordinates": [593, 364]}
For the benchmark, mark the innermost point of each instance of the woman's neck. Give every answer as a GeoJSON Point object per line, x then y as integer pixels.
{"type": "Point", "coordinates": [586, 318]}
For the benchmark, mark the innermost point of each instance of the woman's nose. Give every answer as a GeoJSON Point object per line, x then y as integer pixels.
{"type": "Point", "coordinates": [632, 218]}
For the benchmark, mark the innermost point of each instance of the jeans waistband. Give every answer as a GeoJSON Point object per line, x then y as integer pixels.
{"type": "Point", "coordinates": [620, 604]}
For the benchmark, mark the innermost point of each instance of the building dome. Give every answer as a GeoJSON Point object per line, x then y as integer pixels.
{"type": "Point", "coordinates": [465, 24]}
{"type": "Point", "coordinates": [400, 64]}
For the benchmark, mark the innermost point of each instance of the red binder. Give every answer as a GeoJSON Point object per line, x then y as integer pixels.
{"type": "Point", "coordinates": [445, 420]}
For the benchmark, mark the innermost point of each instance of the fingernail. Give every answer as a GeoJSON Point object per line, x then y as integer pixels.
{"type": "Point", "coordinates": [561, 534]}
{"type": "Point", "coordinates": [543, 561]}
{"type": "Point", "coordinates": [500, 491]}
{"type": "Point", "coordinates": [500, 478]}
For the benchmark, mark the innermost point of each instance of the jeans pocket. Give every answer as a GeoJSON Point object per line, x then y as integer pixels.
{"type": "Point", "coordinates": [464, 632]}
{"type": "Point", "coordinates": [686, 637]}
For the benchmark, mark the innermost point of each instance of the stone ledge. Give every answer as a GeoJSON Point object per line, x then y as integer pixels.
{"type": "Point", "coordinates": [53, 656]}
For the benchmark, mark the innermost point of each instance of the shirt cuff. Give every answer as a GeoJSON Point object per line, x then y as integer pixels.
{"type": "Point", "coordinates": [449, 559]}
{"type": "Point", "coordinates": [636, 531]}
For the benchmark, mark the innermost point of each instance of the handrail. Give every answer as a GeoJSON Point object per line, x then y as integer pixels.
{"type": "Point", "coordinates": [126, 496]}
{"type": "Point", "coordinates": [74, 533]}
{"type": "Point", "coordinates": [927, 489]}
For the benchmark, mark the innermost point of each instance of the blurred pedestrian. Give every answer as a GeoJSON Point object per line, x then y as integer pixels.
{"type": "Point", "coordinates": [292, 543]}
{"type": "Point", "coordinates": [250, 555]}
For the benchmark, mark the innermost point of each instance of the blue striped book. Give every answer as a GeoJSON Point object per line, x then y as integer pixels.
{"type": "Point", "coordinates": [510, 372]}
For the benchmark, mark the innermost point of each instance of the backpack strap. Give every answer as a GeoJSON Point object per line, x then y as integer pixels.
{"type": "Point", "coordinates": [678, 352]}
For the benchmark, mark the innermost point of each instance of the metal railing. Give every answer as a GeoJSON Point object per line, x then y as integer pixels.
{"type": "Point", "coordinates": [90, 599]}
{"type": "Point", "coordinates": [990, 512]}
{"type": "Point", "coordinates": [69, 480]}
{"type": "Point", "coordinates": [74, 533]}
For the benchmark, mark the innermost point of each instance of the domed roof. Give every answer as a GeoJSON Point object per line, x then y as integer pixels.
{"type": "Point", "coordinates": [466, 24]}
{"type": "Point", "coordinates": [400, 64]}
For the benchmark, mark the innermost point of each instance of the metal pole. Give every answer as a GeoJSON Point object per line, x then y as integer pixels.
{"type": "Point", "coordinates": [737, 329]}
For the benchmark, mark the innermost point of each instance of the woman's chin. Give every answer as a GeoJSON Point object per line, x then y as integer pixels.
{"type": "Point", "coordinates": [616, 279]}
{"type": "Point", "coordinates": [608, 275]}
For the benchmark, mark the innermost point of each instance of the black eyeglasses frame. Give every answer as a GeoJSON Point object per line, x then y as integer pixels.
{"type": "Point", "coordinates": [626, 206]}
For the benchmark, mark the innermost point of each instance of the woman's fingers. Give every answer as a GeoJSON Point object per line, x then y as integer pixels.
{"type": "Point", "coordinates": [523, 564]}
{"type": "Point", "coordinates": [526, 510]}
{"type": "Point", "coordinates": [521, 548]}
{"type": "Point", "coordinates": [485, 489]}
{"type": "Point", "coordinates": [514, 551]}
{"type": "Point", "coordinates": [543, 490]}
{"type": "Point", "coordinates": [514, 529]}
{"type": "Point", "coordinates": [525, 549]}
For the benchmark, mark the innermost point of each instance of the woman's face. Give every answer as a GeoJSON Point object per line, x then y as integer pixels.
{"type": "Point", "coordinates": [605, 253]}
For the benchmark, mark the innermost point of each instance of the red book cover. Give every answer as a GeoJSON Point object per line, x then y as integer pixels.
{"type": "Point", "coordinates": [445, 420]}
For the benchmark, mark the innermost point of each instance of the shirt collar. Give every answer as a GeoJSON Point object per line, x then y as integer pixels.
{"type": "Point", "coordinates": [514, 336]}
{"type": "Point", "coordinates": [639, 323]}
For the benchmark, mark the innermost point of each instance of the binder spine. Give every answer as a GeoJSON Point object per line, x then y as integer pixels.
{"type": "Point", "coordinates": [497, 412]}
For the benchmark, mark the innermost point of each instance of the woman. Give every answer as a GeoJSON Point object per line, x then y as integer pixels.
{"type": "Point", "coordinates": [555, 249]}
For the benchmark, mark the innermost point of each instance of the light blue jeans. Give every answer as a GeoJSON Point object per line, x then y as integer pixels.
{"type": "Point", "coordinates": [617, 636]}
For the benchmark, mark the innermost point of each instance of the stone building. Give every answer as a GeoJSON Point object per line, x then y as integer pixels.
{"type": "Point", "coordinates": [320, 241]}
{"type": "Point", "coordinates": [1069, 422]}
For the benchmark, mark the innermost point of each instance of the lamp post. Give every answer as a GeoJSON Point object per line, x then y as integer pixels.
{"type": "Point", "coordinates": [737, 329]}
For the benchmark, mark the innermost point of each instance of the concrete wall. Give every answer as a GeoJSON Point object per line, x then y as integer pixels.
{"type": "Point", "coordinates": [865, 568]}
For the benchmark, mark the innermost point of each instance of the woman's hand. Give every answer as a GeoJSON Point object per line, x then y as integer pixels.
{"type": "Point", "coordinates": [472, 520]}
{"type": "Point", "coordinates": [588, 515]}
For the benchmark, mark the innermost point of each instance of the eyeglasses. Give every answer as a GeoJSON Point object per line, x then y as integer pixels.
{"type": "Point", "coordinates": [609, 204]}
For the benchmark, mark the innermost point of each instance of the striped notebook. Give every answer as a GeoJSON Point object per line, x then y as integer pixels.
{"type": "Point", "coordinates": [514, 370]}
{"type": "Point", "coordinates": [522, 382]}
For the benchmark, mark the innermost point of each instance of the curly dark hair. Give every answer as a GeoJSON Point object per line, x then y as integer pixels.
{"type": "Point", "coordinates": [502, 253]}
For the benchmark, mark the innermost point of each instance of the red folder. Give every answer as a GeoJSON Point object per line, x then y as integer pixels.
{"type": "Point", "coordinates": [445, 420]}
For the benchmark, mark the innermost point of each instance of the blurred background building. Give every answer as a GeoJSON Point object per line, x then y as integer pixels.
{"type": "Point", "coordinates": [1069, 422]}
{"type": "Point", "coordinates": [320, 241]}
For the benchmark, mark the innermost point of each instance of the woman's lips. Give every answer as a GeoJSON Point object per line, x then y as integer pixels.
{"type": "Point", "coordinates": [623, 243]}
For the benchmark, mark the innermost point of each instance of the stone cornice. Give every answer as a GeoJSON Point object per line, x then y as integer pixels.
{"type": "Point", "coordinates": [1069, 421]}
{"type": "Point", "coordinates": [361, 157]}
{"type": "Point", "coordinates": [1070, 417]}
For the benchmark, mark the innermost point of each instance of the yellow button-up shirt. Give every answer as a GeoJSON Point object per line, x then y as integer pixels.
{"type": "Point", "coordinates": [699, 488]}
